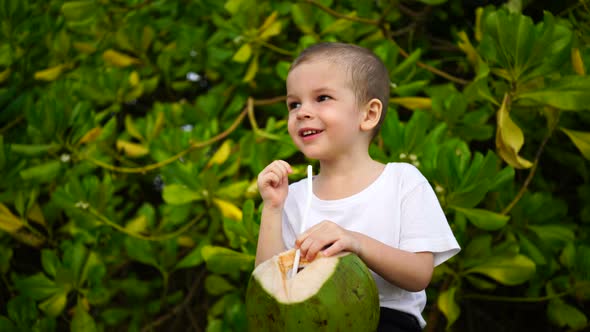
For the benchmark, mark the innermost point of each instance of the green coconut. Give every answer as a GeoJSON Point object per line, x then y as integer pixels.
{"type": "Point", "coordinates": [335, 293]}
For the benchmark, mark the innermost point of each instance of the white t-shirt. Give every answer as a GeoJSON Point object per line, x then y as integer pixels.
{"type": "Point", "coordinates": [399, 209]}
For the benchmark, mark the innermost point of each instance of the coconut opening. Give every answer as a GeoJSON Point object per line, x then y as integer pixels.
{"type": "Point", "coordinates": [273, 276]}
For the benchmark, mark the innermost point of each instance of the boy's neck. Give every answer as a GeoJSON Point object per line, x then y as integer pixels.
{"type": "Point", "coordinates": [343, 178]}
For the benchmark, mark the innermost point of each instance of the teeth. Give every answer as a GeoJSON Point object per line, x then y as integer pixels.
{"type": "Point", "coordinates": [310, 132]}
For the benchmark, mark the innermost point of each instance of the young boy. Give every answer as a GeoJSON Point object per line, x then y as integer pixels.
{"type": "Point", "coordinates": [337, 96]}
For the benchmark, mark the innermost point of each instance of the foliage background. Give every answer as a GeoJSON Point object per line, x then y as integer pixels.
{"type": "Point", "coordinates": [132, 131]}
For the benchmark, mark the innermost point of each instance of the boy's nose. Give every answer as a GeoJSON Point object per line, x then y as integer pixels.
{"type": "Point", "coordinates": [304, 113]}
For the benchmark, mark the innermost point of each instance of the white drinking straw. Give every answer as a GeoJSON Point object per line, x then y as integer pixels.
{"type": "Point", "coordinates": [304, 219]}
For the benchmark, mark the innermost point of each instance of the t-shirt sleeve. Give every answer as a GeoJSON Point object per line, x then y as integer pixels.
{"type": "Point", "coordinates": [424, 226]}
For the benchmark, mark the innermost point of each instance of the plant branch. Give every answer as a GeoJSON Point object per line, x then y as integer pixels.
{"type": "Point", "coordinates": [531, 175]}
{"type": "Point", "coordinates": [193, 146]}
{"type": "Point", "coordinates": [122, 229]}
{"type": "Point", "coordinates": [339, 15]}
{"type": "Point", "coordinates": [254, 124]}
{"type": "Point", "coordinates": [389, 35]}
{"type": "Point", "coordinates": [178, 308]}
{"type": "Point", "coordinates": [275, 48]}
{"type": "Point", "coordinates": [11, 124]}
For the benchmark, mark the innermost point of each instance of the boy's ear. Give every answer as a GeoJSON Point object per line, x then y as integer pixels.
{"type": "Point", "coordinates": [371, 114]}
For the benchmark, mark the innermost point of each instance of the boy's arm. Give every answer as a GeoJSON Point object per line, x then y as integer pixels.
{"type": "Point", "coordinates": [407, 270]}
{"type": "Point", "coordinates": [273, 185]}
{"type": "Point", "coordinates": [270, 240]}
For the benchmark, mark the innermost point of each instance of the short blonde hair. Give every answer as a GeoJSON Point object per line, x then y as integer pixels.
{"type": "Point", "coordinates": [369, 76]}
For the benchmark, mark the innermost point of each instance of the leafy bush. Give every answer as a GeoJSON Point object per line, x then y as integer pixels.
{"type": "Point", "coordinates": [132, 133]}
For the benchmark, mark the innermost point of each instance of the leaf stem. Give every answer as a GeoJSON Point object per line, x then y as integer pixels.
{"type": "Point", "coordinates": [532, 172]}
{"type": "Point", "coordinates": [339, 15]}
{"type": "Point", "coordinates": [160, 237]}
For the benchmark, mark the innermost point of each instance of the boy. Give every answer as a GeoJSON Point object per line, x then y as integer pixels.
{"type": "Point", "coordinates": [337, 96]}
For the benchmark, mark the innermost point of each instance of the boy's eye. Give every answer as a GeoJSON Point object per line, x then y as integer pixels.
{"type": "Point", "coordinates": [293, 105]}
{"type": "Point", "coordinates": [323, 98]}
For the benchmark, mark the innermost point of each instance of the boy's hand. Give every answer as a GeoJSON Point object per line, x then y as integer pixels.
{"type": "Point", "coordinates": [327, 235]}
{"type": "Point", "coordinates": [273, 184]}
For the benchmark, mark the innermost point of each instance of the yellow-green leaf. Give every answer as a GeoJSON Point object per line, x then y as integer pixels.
{"type": "Point", "coordinates": [509, 271]}
{"type": "Point", "coordinates": [78, 10]}
{"type": "Point", "coordinates": [176, 194]}
{"type": "Point", "coordinates": [270, 20]}
{"type": "Point", "coordinates": [5, 74]}
{"type": "Point", "coordinates": [131, 129]}
{"type": "Point", "coordinates": [577, 62]}
{"type": "Point", "coordinates": [159, 124]}
{"type": "Point", "coordinates": [134, 78]}
{"type": "Point", "coordinates": [8, 221]}
{"type": "Point", "coordinates": [82, 321]}
{"type": "Point", "coordinates": [484, 219]}
{"type": "Point", "coordinates": [137, 225]}
{"type": "Point", "coordinates": [228, 209]}
{"type": "Point", "coordinates": [243, 54]}
{"type": "Point", "coordinates": [273, 30]}
{"type": "Point", "coordinates": [466, 46]}
{"type": "Point", "coordinates": [55, 304]}
{"type": "Point", "coordinates": [478, 34]}
{"type": "Point", "coordinates": [147, 37]}
{"type": "Point", "coordinates": [87, 48]}
{"type": "Point", "coordinates": [118, 59]}
{"type": "Point", "coordinates": [413, 103]}
{"type": "Point", "coordinates": [49, 74]}
{"type": "Point", "coordinates": [221, 154]}
{"type": "Point", "coordinates": [448, 306]}
{"type": "Point", "coordinates": [132, 150]}
{"type": "Point", "coordinates": [91, 135]}
{"type": "Point", "coordinates": [252, 70]}
{"type": "Point", "coordinates": [581, 140]}
{"type": "Point", "coordinates": [509, 138]}
{"type": "Point", "coordinates": [36, 214]}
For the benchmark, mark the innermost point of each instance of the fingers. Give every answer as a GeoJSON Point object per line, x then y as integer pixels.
{"type": "Point", "coordinates": [326, 236]}
{"type": "Point", "coordinates": [275, 173]}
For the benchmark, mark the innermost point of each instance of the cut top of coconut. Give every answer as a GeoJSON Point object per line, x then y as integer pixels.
{"type": "Point", "coordinates": [273, 276]}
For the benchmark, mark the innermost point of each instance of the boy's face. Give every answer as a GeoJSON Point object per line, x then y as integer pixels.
{"type": "Point", "coordinates": [324, 117]}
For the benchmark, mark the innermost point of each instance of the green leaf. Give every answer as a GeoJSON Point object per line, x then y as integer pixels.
{"type": "Point", "coordinates": [569, 93]}
{"type": "Point", "coordinates": [507, 270]}
{"type": "Point", "coordinates": [141, 251]}
{"type": "Point", "coordinates": [226, 261]}
{"type": "Point", "coordinates": [176, 194]}
{"type": "Point", "coordinates": [553, 235]}
{"type": "Point", "coordinates": [54, 305]}
{"type": "Point", "coordinates": [5, 257]}
{"type": "Point", "coordinates": [303, 17]}
{"type": "Point", "coordinates": [82, 321]}
{"type": "Point", "coordinates": [42, 173]}
{"type": "Point", "coordinates": [531, 250]}
{"type": "Point", "coordinates": [581, 140]}
{"type": "Point", "coordinates": [448, 306]}
{"type": "Point", "coordinates": [50, 262]}
{"type": "Point", "coordinates": [194, 258]}
{"type": "Point", "coordinates": [6, 325]}
{"type": "Point", "coordinates": [484, 219]}
{"type": "Point", "coordinates": [564, 314]}
{"type": "Point", "coordinates": [37, 286]}
{"type": "Point", "coordinates": [217, 285]}
{"type": "Point", "coordinates": [79, 10]}
{"type": "Point", "coordinates": [243, 54]}
{"type": "Point", "coordinates": [479, 246]}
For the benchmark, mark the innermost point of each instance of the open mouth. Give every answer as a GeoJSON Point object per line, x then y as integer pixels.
{"type": "Point", "coordinates": [309, 132]}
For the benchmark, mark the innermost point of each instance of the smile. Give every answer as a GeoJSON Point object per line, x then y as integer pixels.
{"type": "Point", "coordinates": [309, 132]}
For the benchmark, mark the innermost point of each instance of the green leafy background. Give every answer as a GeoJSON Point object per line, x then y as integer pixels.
{"type": "Point", "coordinates": [132, 132]}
